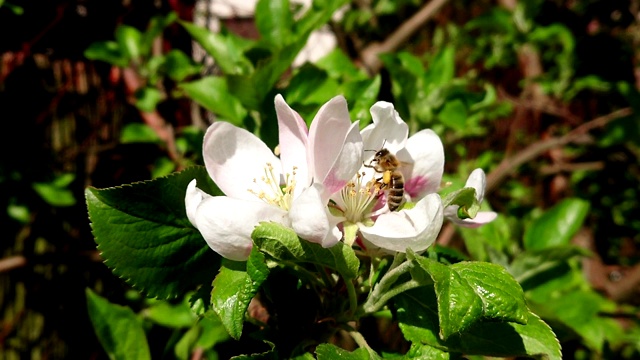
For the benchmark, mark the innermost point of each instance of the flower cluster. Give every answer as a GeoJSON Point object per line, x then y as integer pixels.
{"type": "Point", "coordinates": [326, 183]}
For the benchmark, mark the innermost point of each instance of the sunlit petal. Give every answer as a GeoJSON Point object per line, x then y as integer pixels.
{"type": "Point", "coordinates": [387, 130]}
{"type": "Point", "coordinates": [226, 223]}
{"type": "Point", "coordinates": [423, 172]}
{"type": "Point", "coordinates": [346, 164]}
{"type": "Point", "coordinates": [235, 158]}
{"type": "Point", "coordinates": [292, 132]}
{"type": "Point", "coordinates": [478, 181]}
{"type": "Point", "coordinates": [416, 228]}
{"type": "Point", "coordinates": [310, 217]}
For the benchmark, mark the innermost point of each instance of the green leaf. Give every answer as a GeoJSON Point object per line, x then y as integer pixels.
{"type": "Point", "coordinates": [55, 193]}
{"type": "Point", "coordinates": [441, 69]}
{"type": "Point", "coordinates": [420, 351]}
{"type": "Point", "coordinates": [332, 352]}
{"type": "Point", "coordinates": [454, 115]}
{"type": "Point", "coordinates": [468, 292]}
{"type": "Point", "coordinates": [418, 319]}
{"type": "Point", "coordinates": [147, 98]}
{"type": "Point", "coordinates": [365, 94]}
{"type": "Point", "coordinates": [274, 22]}
{"type": "Point", "coordinates": [157, 24]}
{"type": "Point", "coordinates": [581, 311]}
{"type": "Point", "coordinates": [180, 66]}
{"type": "Point", "coordinates": [139, 133]}
{"type": "Point", "coordinates": [283, 244]}
{"type": "Point", "coordinates": [119, 330]}
{"type": "Point", "coordinates": [173, 316]}
{"type": "Point", "coordinates": [213, 94]}
{"type": "Point", "coordinates": [129, 40]}
{"type": "Point", "coordinates": [529, 264]}
{"type": "Point", "coordinates": [557, 225]}
{"type": "Point", "coordinates": [107, 51]}
{"type": "Point", "coordinates": [465, 198]}
{"type": "Point", "coordinates": [145, 237]}
{"type": "Point", "coordinates": [226, 51]}
{"type": "Point", "coordinates": [234, 287]}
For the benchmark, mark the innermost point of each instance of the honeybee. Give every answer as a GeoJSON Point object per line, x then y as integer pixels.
{"type": "Point", "coordinates": [387, 164]}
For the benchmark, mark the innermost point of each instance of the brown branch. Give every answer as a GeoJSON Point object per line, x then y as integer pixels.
{"type": "Point", "coordinates": [509, 165]}
{"type": "Point", "coordinates": [370, 54]}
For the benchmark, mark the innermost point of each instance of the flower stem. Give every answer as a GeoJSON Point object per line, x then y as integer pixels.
{"type": "Point", "coordinates": [381, 289]}
{"type": "Point", "coordinates": [362, 342]}
{"type": "Point", "coordinates": [387, 295]}
{"type": "Point", "coordinates": [353, 298]}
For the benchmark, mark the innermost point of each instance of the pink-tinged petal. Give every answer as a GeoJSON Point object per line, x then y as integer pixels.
{"type": "Point", "coordinates": [293, 133]}
{"type": "Point", "coordinates": [327, 135]}
{"type": "Point", "coordinates": [482, 217]}
{"type": "Point", "coordinates": [346, 165]}
{"type": "Point", "coordinates": [235, 157]}
{"type": "Point", "coordinates": [192, 200]}
{"type": "Point", "coordinates": [478, 181]}
{"type": "Point", "coordinates": [416, 228]}
{"type": "Point", "coordinates": [226, 223]}
{"type": "Point", "coordinates": [425, 165]}
{"type": "Point", "coordinates": [388, 130]}
{"type": "Point", "coordinates": [310, 218]}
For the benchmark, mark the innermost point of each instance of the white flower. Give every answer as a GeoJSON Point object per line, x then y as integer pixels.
{"type": "Point", "coordinates": [292, 190]}
{"type": "Point", "coordinates": [478, 181]}
{"type": "Point", "coordinates": [422, 163]}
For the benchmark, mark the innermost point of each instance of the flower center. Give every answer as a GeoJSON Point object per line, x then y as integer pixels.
{"type": "Point", "coordinates": [359, 197]}
{"type": "Point", "coordinates": [271, 191]}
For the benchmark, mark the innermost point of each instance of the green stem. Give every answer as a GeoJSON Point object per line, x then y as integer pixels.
{"type": "Point", "coordinates": [362, 342]}
{"type": "Point", "coordinates": [385, 283]}
{"type": "Point", "coordinates": [353, 297]}
{"type": "Point", "coordinates": [387, 295]}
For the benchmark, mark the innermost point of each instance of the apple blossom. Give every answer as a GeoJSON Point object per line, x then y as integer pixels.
{"type": "Point", "coordinates": [361, 208]}
{"type": "Point", "coordinates": [476, 180]}
{"type": "Point", "coordinates": [292, 190]}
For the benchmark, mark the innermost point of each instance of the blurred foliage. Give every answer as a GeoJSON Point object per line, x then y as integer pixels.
{"type": "Point", "coordinates": [487, 78]}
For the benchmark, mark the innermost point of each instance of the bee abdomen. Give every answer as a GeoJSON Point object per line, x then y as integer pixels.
{"type": "Point", "coordinates": [396, 191]}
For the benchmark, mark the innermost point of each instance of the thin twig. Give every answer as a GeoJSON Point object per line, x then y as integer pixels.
{"type": "Point", "coordinates": [509, 165]}
{"type": "Point", "coordinates": [370, 54]}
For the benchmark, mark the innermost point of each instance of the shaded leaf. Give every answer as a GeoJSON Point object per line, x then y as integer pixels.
{"type": "Point", "coordinates": [145, 237]}
{"type": "Point", "coordinates": [283, 244]}
{"type": "Point", "coordinates": [119, 330]}
{"type": "Point", "coordinates": [557, 225]}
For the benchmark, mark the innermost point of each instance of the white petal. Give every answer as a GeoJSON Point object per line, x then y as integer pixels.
{"type": "Point", "coordinates": [235, 157]}
{"type": "Point", "coordinates": [192, 200]}
{"type": "Point", "coordinates": [388, 130]}
{"type": "Point", "coordinates": [310, 218]}
{"type": "Point", "coordinates": [329, 131]}
{"type": "Point", "coordinates": [478, 181]}
{"type": "Point", "coordinates": [416, 228]}
{"type": "Point", "coordinates": [423, 173]}
{"type": "Point", "coordinates": [347, 163]}
{"type": "Point", "coordinates": [482, 217]}
{"type": "Point", "coordinates": [292, 131]}
{"type": "Point", "coordinates": [226, 223]}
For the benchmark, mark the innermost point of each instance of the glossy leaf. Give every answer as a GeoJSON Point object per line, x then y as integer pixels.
{"type": "Point", "coordinates": [332, 352]}
{"type": "Point", "coordinates": [468, 292]}
{"type": "Point", "coordinates": [418, 318]}
{"type": "Point", "coordinates": [143, 233]}
{"type": "Point", "coordinates": [119, 330]}
{"type": "Point", "coordinates": [213, 94]}
{"type": "Point", "coordinates": [283, 244]}
{"type": "Point", "coordinates": [234, 287]}
{"type": "Point", "coordinates": [557, 225]}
